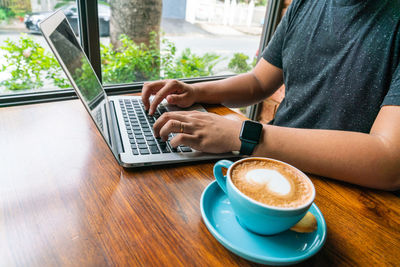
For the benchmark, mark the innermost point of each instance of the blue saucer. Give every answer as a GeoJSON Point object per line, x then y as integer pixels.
{"type": "Point", "coordinates": [282, 249]}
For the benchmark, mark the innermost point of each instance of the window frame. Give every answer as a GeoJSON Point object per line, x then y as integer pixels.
{"type": "Point", "coordinates": [272, 17]}
{"type": "Point", "coordinates": [90, 41]}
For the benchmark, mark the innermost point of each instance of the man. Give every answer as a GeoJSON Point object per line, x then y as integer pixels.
{"type": "Point", "coordinates": [339, 61]}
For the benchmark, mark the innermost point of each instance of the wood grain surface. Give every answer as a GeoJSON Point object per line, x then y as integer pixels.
{"type": "Point", "coordinates": [64, 201]}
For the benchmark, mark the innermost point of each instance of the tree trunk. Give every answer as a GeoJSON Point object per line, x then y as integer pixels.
{"type": "Point", "coordinates": [135, 18]}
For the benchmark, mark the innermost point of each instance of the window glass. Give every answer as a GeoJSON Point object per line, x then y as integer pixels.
{"type": "Point", "coordinates": [140, 40]}
{"type": "Point", "coordinates": [156, 39]}
{"type": "Point", "coordinates": [26, 62]}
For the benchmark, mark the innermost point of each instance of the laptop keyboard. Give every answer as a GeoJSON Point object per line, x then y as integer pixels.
{"type": "Point", "coordinates": [99, 120]}
{"type": "Point", "coordinates": [139, 126]}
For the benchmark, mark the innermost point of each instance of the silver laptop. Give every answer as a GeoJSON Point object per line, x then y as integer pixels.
{"type": "Point", "coordinates": [121, 120]}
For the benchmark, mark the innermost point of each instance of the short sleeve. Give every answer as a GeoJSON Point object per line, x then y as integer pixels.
{"type": "Point", "coordinates": [392, 98]}
{"type": "Point", "coordinates": [273, 52]}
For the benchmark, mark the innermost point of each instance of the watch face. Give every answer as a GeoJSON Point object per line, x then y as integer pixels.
{"type": "Point", "coordinates": [251, 131]}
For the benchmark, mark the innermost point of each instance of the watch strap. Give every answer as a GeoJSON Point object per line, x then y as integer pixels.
{"type": "Point", "coordinates": [247, 148]}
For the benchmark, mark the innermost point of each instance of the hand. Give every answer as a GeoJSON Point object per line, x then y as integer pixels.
{"type": "Point", "coordinates": [176, 92]}
{"type": "Point", "coordinates": [202, 131]}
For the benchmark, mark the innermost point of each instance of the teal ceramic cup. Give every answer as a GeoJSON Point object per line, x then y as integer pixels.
{"type": "Point", "coordinates": [256, 216]}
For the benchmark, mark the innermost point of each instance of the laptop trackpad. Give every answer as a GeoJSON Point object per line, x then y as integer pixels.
{"type": "Point", "coordinates": [197, 107]}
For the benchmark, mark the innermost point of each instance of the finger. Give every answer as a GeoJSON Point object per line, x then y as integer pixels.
{"type": "Point", "coordinates": [171, 126]}
{"type": "Point", "coordinates": [150, 89]}
{"type": "Point", "coordinates": [184, 139]}
{"type": "Point", "coordinates": [174, 126]}
{"type": "Point", "coordinates": [163, 119]}
{"type": "Point", "coordinates": [170, 87]}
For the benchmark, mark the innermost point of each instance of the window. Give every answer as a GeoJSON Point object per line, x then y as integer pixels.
{"type": "Point", "coordinates": [153, 40]}
{"type": "Point", "coordinates": [133, 41]}
{"type": "Point", "coordinates": [27, 64]}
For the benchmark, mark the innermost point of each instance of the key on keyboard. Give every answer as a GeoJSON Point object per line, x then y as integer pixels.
{"type": "Point", "coordinates": [140, 129]}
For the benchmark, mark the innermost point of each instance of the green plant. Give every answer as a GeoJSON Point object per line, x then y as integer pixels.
{"type": "Point", "coordinates": [104, 3]}
{"type": "Point", "coordinates": [238, 63]}
{"type": "Point", "coordinates": [254, 63]}
{"type": "Point", "coordinates": [3, 14]}
{"type": "Point", "coordinates": [62, 3]}
{"type": "Point", "coordinates": [18, 9]}
{"type": "Point", "coordinates": [29, 65]}
{"type": "Point", "coordinates": [132, 62]}
{"type": "Point", "coordinates": [189, 65]}
{"type": "Point", "coordinates": [261, 2]}
{"type": "Point", "coordinates": [19, 13]}
{"type": "Point", "coordinates": [6, 14]}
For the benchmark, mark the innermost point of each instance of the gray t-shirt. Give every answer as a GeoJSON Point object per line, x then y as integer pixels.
{"type": "Point", "coordinates": [340, 60]}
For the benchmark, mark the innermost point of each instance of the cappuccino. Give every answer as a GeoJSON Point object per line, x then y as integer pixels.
{"type": "Point", "coordinates": [272, 183]}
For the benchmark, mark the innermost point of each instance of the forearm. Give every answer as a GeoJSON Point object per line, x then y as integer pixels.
{"type": "Point", "coordinates": [240, 90]}
{"type": "Point", "coordinates": [359, 158]}
{"type": "Point", "coordinates": [244, 89]}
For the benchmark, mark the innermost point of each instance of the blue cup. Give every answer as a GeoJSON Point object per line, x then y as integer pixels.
{"type": "Point", "coordinates": [256, 216]}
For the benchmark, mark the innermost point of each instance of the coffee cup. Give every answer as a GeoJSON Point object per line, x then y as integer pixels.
{"type": "Point", "coordinates": [268, 196]}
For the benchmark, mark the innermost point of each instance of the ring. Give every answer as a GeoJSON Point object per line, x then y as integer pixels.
{"type": "Point", "coordinates": [181, 127]}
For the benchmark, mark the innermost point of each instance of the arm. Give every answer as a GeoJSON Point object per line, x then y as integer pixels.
{"type": "Point", "coordinates": [244, 89]}
{"type": "Point", "coordinates": [371, 160]}
{"type": "Point", "coordinates": [240, 90]}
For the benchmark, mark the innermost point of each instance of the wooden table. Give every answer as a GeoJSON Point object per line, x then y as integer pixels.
{"type": "Point", "coordinates": [65, 201]}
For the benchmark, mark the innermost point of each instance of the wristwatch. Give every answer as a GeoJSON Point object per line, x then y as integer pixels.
{"type": "Point", "coordinates": [250, 136]}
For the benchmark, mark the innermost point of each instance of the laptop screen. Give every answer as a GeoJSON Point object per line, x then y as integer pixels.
{"type": "Point", "coordinates": [88, 86]}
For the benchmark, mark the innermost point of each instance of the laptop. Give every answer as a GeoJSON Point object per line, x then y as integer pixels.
{"type": "Point", "coordinates": [122, 121]}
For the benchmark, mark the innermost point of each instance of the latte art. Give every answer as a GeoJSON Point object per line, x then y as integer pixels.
{"type": "Point", "coordinates": [271, 179]}
{"type": "Point", "coordinates": [272, 183]}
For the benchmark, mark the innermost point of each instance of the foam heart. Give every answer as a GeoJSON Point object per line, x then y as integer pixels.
{"type": "Point", "coordinates": [273, 179]}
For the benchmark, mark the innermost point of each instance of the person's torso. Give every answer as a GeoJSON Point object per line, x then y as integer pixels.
{"type": "Point", "coordinates": [338, 59]}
